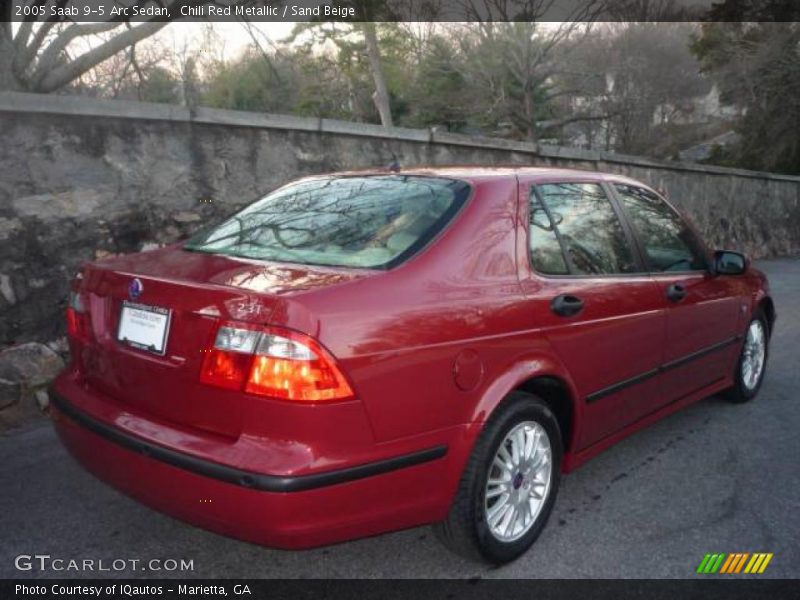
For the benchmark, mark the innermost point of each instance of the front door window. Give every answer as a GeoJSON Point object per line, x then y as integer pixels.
{"type": "Point", "coordinates": [669, 244]}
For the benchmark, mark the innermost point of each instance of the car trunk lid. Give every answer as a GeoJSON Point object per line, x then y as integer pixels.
{"type": "Point", "coordinates": [198, 291]}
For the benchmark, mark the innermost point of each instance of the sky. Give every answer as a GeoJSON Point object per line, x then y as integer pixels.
{"type": "Point", "coordinates": [235, 38]}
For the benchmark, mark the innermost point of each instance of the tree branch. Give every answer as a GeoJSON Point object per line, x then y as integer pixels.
{"type": "Point", "coordinates": [264, 55]}
{"type": "Point", "coordinates": [25, 56]}
{"type": "Point", "coordinates": [62, 75]}
{"type": "Point", "coordinates": [50, 56]}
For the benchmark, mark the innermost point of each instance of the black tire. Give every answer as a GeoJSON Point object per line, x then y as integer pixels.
{"type": "Point", "coordinates": [740, 392]}
{"type": "Point", "coordinates": [466, 530]}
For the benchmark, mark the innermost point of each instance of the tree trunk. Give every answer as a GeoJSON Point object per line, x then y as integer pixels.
{"type": "Point", "coordinates": [8, 81]}
{"type": "Point", "coordinates": [381, 95]}
{"type": "Point", "coordinates": [530, 117]}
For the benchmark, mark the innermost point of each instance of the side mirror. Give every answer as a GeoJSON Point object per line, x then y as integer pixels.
{"type": "Point", "coordinates": [727, 262]}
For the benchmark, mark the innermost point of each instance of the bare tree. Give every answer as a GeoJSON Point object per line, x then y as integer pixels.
{"type": "Point", "coordinates": [372, 9]}
{"type": "Point", "coordinates": [653, 81]}
{"type": "Point", "coordinates": [125, 73]}
{"type": "Point", "coordinates": [381, 94]}
{"type": "Point", "coordinates": [356, 39]}
{"type": "Point", "coordinates": [513, 61]}
{"type": "Point", "coordinates": [187, 57]}
{"type": "Point", "coordinates": [35, 58]}
{"type": "Point", "coordinates": [639, 11]}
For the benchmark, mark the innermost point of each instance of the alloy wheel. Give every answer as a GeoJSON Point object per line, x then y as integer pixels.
{"type": "Point", "coordinates": [754, 355]}
{"type": "Point", "coordinates": [518, 481]}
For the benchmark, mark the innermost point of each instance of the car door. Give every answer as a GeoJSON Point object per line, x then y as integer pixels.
{"type": "Point", "coordinates": [588, 289]}
{"type": "Point", "coordinates": [702, 310]}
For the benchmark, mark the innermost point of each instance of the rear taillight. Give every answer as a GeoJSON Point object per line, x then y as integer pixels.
{"type": "Point", "coordinates": [78, 325]}
{"type": "Point", "coordinates": [273, 362]}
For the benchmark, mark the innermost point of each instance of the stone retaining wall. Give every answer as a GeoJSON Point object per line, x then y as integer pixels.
{"type": "Point", "coordinates": [81, 179]}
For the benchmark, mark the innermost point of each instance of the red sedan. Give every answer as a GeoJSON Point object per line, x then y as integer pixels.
{"type": "Point", "coordinates": [364, 352]}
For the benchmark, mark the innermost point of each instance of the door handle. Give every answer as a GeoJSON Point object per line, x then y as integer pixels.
{"type": "Point", "coordinates": [566, 305]}
{"type": "Point", "coordinates": [676, 292]}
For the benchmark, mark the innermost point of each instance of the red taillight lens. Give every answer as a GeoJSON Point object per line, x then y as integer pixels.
{"type": "Point", "coordinates": [73, 322]}
{"type": "Point", "coordinates": [78, 325]}
{"type": "Point", "coordinates": [225, 369]}
{"type": "Point", "coordinates": [311, 380]}
{"type": "Point", "coordinates": [228, 361]}
{"type": "Point", "coordinates": [273, 362]}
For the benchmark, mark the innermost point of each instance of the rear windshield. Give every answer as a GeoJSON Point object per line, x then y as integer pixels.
{"type": "Point", "coordinates": [372, 222]}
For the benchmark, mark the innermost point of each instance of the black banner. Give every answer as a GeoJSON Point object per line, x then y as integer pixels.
{"type": "Point", "coordinates": [397, 10]}
{"type": "Point", "coordinates": [548, 589]}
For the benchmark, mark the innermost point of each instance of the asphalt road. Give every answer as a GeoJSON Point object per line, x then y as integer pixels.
{"type": "Point", "coordinates": [712, 478]}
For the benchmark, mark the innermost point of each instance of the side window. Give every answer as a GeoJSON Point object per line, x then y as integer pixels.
{"type": "Point", "coordinates": [590, 230]}
{"type": "Point", "coordinates": [668, 243]}
{"type": "Point", "coordinates": [546, 254]}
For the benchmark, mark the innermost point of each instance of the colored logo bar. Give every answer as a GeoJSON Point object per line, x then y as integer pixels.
{"type": "Point", "coordinates": [736, 562]}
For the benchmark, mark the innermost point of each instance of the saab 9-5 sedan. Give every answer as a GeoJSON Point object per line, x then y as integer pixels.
{"type": "Point", "coordinates": [364, 352]}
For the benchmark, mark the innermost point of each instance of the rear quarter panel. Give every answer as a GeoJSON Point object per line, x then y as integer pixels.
{"type": "Point", "coordinates": [424, 342]}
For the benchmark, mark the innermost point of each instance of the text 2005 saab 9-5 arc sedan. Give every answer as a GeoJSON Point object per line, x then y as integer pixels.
{"type": "Point", "coordinates": [363, 352]}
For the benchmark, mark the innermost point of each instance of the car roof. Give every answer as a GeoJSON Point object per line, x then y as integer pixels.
{"type": "Point", "coordinates": [475, 173]}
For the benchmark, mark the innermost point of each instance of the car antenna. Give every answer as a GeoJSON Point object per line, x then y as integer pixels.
{"type": "Point", "coordinates": [394, 166]}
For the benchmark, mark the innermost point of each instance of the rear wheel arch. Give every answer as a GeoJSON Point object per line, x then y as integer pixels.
{"type": "Point", "coordinates": [556, 394]}
{"type": "Point", "coordinates": [540, 374]}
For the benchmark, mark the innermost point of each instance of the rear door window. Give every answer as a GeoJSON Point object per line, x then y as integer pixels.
{"type": "Point", "coordinates": [545, 249]}
{"type": "Point", "coordinates": [371, 221]}
{"type": "Point", "coordinates": [579, 218]}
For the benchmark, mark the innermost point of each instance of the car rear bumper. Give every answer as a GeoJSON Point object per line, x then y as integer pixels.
{"type": "Point", "coordinates": [274, 510]}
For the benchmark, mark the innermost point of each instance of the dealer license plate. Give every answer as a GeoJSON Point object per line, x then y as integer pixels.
{"type": "Point", "coordinates": [144, 327]}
